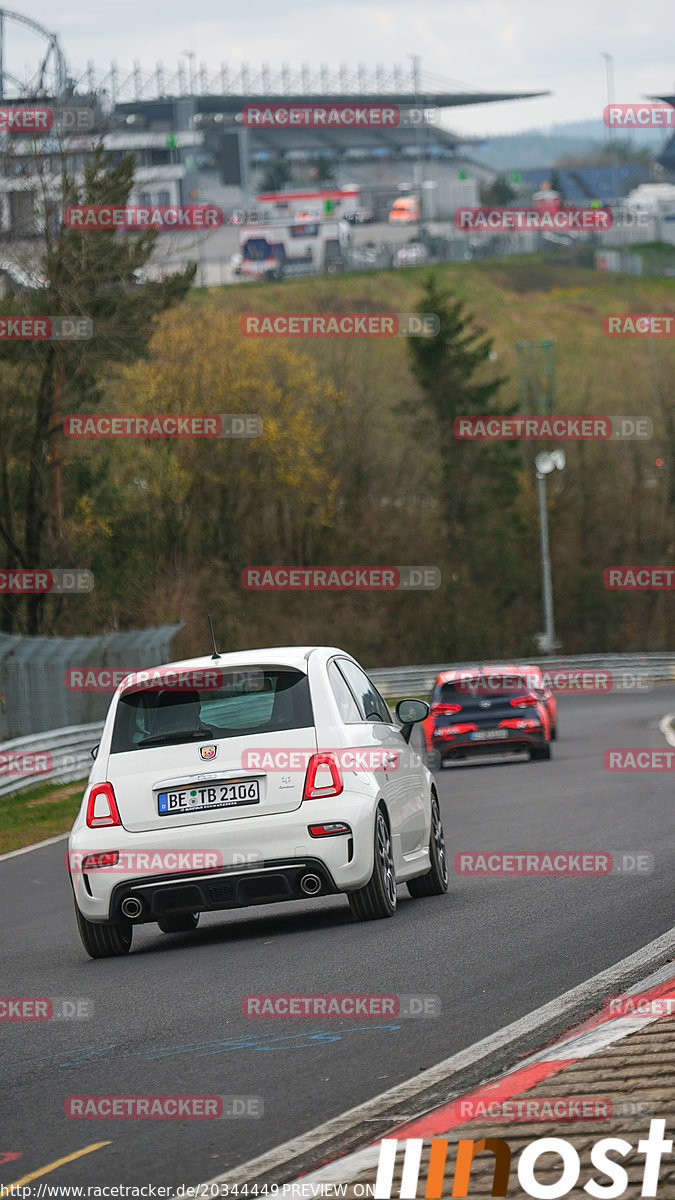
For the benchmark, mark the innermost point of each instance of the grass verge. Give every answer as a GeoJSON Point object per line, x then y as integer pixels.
{"type": "Point", "coordinates": [37, 813]}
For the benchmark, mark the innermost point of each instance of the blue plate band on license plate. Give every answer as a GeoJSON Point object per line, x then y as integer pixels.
{"type": "Point", "coordinates": [217, 795]}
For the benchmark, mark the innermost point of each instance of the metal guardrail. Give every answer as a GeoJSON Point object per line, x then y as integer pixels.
{"type": "Point", "coordinates": [630, 670]}
{"type": "Point", "coordinates": [70, 748]}
{"type": "Point", "coordinates": [34, 697]}
{"type": "Point", "coordinates": [66, 753]}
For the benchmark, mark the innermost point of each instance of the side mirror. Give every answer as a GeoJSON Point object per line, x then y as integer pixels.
{"type": "Point", "coordinates": [94, 751]}
{"type": "Point", "coordinates": [409, 713]}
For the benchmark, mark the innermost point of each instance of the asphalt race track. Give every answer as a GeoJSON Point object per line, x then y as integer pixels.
{"type": "Point", "coordinates": [167, 1019]}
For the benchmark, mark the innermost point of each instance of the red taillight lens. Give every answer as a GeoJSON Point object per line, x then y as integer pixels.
{"type": "Point", "coordinates": [446, 708]}
{"type": "Point", "coordinates": [329, 829]}
{"type": "Point", "coordinates": [102, 806]}
{"type": "Point", "coordinates": [452, 730]}
{"type": "Point", "coordinates": [323, 777]}
{"type": "Point", "coordinates": [526, 701]}
{"type": "Point", "coordinates": [108, 858]}
{"type": "Point", "coordinates": [520, 723]}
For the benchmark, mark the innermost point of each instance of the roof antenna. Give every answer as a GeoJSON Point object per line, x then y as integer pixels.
{"type": "Point", "coordinates": [213, 637]}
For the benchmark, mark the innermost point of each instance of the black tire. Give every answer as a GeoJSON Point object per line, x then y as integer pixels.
{"type": "Point", "coordinates": [179, 923]}
{"type": "Point", "coordinates": [435, 882]}
{"type": "Point", "coordinates": [104, 941]}
{"type": "Point", "coordinates": [554, 733]}
{"type": "Point", "coordinates": [540, 753]}
{"type": "Point", "coordinates": [378, 898]}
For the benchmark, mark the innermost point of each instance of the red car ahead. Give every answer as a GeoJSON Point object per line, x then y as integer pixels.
{"type": "Point", "coordinates": [482, 710]}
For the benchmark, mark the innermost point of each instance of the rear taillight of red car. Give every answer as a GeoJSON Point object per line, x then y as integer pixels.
{"type": "Point", "coordinates": [525, 701]}
{"type": "Point", "coordinates": [102, 807]}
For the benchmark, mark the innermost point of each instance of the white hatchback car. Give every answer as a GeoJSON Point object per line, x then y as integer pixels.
{"type": "Point", "coordinates": [251, 778]}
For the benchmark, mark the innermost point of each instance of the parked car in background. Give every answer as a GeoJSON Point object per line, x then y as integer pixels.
{"type": "Point", "coordinates": [360, 216]}
{"type": "Point", "coordinates": [405, 211]}
{"type": "Point", "coordinates": [411, 255]}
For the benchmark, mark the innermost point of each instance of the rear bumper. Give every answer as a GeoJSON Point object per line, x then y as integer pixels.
{"type": "Point", "coordinates": [519, 742]}
{"type": "Point", "coordinates": [266, 883]}
{"type": "Point", "coordinates": [246, 847]}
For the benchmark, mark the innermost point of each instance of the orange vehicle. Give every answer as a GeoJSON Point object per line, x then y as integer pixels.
{"type": "Point", "coordinates": [405, 211]}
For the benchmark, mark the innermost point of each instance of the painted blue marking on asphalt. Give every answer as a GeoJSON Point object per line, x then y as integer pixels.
{"type": "Point", "coordinates": [202, 1049]}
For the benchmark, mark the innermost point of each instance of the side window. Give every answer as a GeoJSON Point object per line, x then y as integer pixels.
{"type": "Point", "coordinates": [370, 700]}
{"type": "Point", "coordinates": [346, 703]}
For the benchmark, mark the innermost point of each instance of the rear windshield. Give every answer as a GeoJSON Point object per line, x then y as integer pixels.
{"type": "Point", "coordinates": [473, 689]}
{"type": "Point", "coordinates": [264, 700]}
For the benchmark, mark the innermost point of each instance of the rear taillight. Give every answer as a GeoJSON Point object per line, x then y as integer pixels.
{"type": "Point", "coordinates": [520, 723]}
{"type": "Point", "coordinates": [329, 829]}
{"type": "Point", "coordinates": [323, 777]}
{"type": "Point", "coordinates": [526, 701]}
{"type": "Point", "coordinates": [102, 806]}
{"type": "Point", "coordinates": [464, 727]}
{"type": "Point", "coordinates": [446, 708]}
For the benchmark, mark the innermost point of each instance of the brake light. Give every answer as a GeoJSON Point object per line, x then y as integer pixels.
{"type": "Point", "coordinates": [525, 701]}
{"type": "Point", "coordinates": [321, 768]}
{"type": "Point", "coordinates": [521, 723]}
{"type": "Point", "coordinates": [329, 829]}
{"type": "Point", "coordinates": [102, 806]}
{"type": "Point", "coordinates": [446, 708]}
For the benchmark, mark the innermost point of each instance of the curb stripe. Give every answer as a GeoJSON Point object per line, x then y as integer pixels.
{"type": "Point", "coordinates": [448, 1115]}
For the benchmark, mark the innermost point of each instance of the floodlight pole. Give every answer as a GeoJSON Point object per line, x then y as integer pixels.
{"type": "Point", "coordinates": [547, 586]}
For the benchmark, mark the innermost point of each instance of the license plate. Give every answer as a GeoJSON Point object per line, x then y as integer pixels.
{"type": "Point", "coordinates": [217, 795]}
{"type": "Point", "coordinates": [488, 735]}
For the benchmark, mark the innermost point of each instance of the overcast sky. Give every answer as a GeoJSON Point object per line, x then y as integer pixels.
{"type": "Point", "coordinates": [491, 45]}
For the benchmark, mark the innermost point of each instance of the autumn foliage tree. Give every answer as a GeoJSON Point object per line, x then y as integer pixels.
{"type": "Point", "coordinates": [91, 274]}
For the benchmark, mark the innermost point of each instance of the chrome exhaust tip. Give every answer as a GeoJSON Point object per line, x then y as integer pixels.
{"type": "Point", "coordinates": [132, 907]}
{"type": "Point", "coordinates": [310, 884]}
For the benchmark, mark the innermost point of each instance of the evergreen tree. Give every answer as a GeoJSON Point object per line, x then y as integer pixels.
{"type": "Point", "coordinates": [486, 570]}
